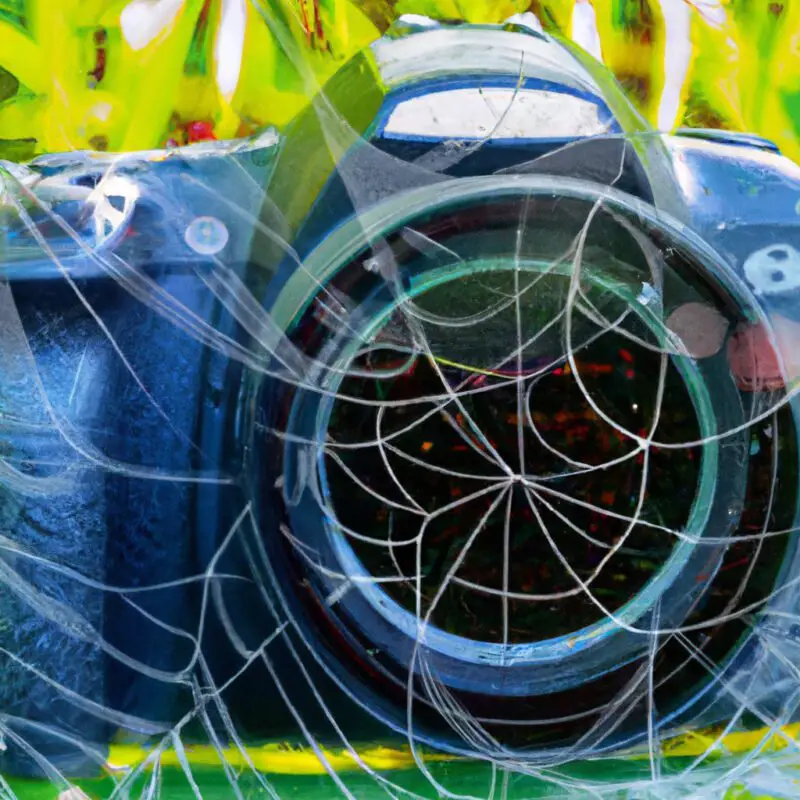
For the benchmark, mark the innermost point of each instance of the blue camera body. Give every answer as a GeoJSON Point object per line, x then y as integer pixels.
{"type": "Point", "coordinates": [155, 307]}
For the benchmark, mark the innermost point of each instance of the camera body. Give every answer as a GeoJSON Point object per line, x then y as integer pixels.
{"type": "Point", "coordinates": [158, 326]}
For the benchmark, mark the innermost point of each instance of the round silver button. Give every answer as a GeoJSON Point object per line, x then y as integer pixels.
{"type": "Point", "coordinates": [207, 236]}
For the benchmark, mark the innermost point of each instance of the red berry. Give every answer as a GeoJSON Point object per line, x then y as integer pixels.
{"type": "Point", "coordinates": [200, 131]}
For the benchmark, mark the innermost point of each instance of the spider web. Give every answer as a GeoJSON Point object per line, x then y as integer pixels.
{"type": "Point", "coordinates": [170, 628]}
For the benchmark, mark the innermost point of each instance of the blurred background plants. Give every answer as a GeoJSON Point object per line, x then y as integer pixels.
{"type": "Point", "coordinates": [122, 75]}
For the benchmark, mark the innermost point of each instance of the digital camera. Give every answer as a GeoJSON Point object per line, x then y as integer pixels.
{"type": "Point", "coordinates": [458, 413]}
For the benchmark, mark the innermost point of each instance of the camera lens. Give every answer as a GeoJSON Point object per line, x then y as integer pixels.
{"type": "Point", "coordinates": [520, 474]}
